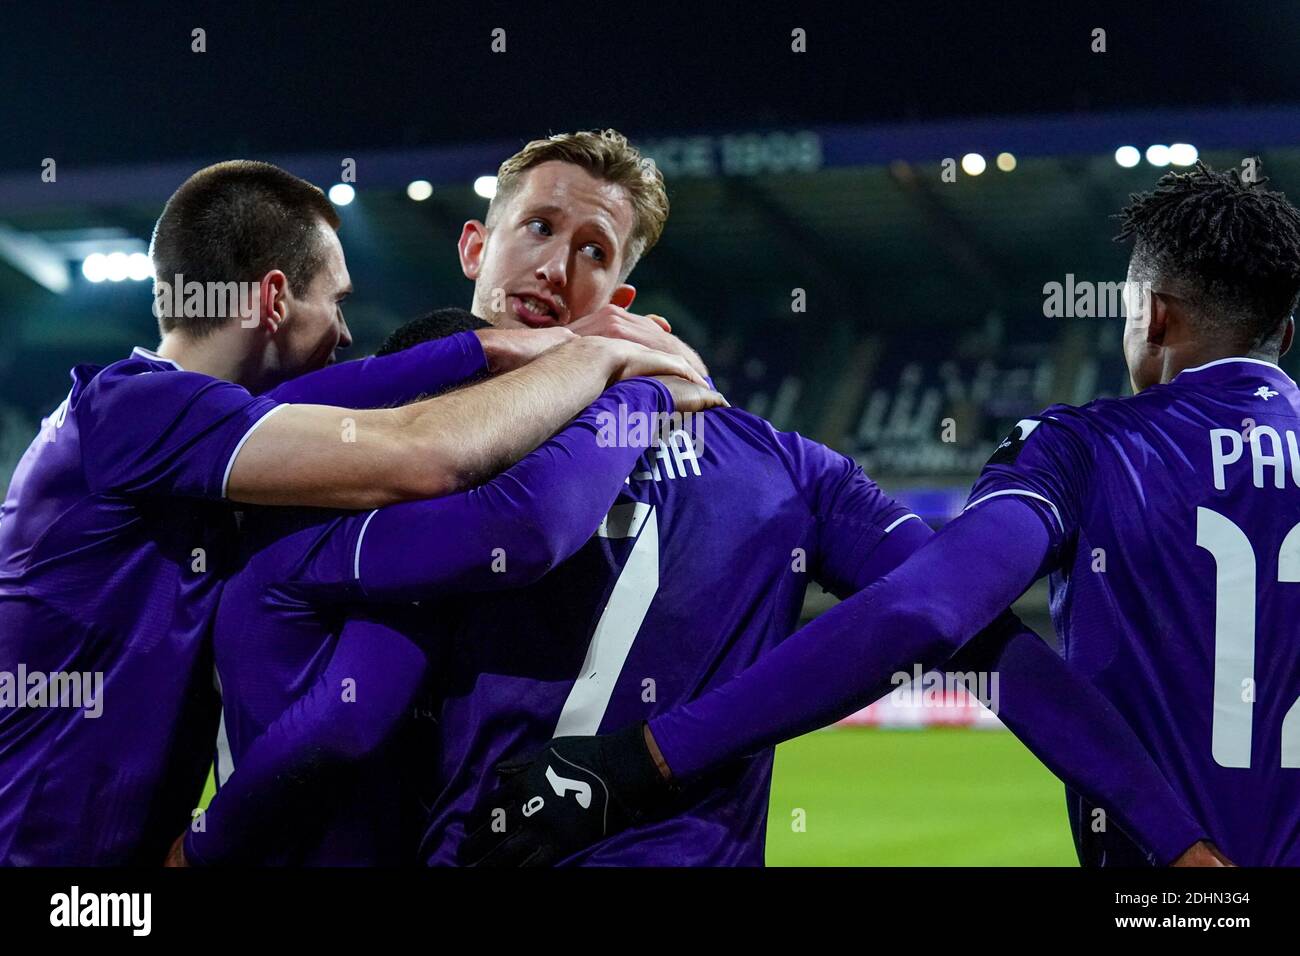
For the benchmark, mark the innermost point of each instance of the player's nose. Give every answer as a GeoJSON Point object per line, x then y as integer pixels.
{"type": "Point", "coordinates": [345, 335]}
{"type": "Point", "coordinates": [554, 271]}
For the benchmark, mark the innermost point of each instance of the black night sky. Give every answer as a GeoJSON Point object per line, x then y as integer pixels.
{"type": "Point", "coordinates": [104, 84]}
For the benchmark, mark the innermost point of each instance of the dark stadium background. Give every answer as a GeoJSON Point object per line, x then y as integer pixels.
{"type": "Point", "coordinates": [817, 171]}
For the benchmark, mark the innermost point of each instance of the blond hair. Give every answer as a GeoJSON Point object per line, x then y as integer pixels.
{"type": "Point", "coordinates": [607, 155]}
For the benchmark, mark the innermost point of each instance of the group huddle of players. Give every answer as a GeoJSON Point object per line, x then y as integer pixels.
{"type": "Point", "coordinates": [451, 622]}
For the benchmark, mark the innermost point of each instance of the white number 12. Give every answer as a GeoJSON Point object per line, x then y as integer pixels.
{"type": "Point", "coordinates": [1234, 638]}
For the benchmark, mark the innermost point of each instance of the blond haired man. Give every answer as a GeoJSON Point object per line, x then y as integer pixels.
{"type": "Point", "coordinates": [572, 216]}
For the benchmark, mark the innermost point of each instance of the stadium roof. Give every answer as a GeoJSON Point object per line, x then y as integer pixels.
{"type": "Point", "coordinates": [892, 260]}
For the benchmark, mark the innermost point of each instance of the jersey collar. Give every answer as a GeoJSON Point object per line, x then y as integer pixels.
{"type": "Point", "coordinates": [153, 356]}
{"type": "Point", "coordinates": [1235, 360]}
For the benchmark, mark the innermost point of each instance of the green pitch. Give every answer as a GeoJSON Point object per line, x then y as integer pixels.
{"type": "Point", "coordinates": [936, 797]}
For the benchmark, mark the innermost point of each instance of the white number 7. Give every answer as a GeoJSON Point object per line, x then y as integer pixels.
{"type": "Point", "coordinates": [1234, 637]}
{"type": "Point", "coordinates": [629, 602]}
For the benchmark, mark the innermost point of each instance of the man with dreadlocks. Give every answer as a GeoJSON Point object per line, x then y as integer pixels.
{"type": "Point", "coordinates": [1169, 522]}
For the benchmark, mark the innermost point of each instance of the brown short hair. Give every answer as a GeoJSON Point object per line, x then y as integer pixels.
{"type": "Point", "coordinates": [235, 222]}
{"type": "Point", "coordinates": [608, 155]}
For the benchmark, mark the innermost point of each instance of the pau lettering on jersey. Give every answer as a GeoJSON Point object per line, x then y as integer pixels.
{"type": "Point", "coordinates": [676, 456]}
{"type": "Point", "coordinates": [1272, 455]}
{"type": "Point", "coordinates": [75, 908]}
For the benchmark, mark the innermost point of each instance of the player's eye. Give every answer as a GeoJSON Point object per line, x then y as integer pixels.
{"type": "Point", "coordinates": [538, 227]}
{"type": "Point", "coordinates": [595, 251]}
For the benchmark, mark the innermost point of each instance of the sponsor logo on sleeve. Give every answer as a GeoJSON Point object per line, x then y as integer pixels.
{"type": "Point", "coordinates": [1011, 446]}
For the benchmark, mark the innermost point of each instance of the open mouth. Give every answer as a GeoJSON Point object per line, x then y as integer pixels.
{"type": "Point", "coordinates": [532, 310]}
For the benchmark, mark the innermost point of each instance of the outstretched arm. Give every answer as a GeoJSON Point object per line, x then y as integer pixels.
{"type": "Point", "coordinates": [920, 613]}
{"type": "Point", "coordinates": [1065, 721]}
{"type": "Point", "coordinates": [380, 381]}
{"type": "Point", "coordinates": [426, 369]}
{"type": "Point", "coordinates": [340, 458]}
{"type": "Point", "coordinates": [1079, 735]}
{"type": "Point", "coordinates": [506, 533]}
{"type": "Point", "coordinates": [923, 611]}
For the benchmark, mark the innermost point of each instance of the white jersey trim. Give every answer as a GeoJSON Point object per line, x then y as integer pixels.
{"type": "Point", "coordinates": [1236, 358]}
{"type": "Point", "coordinates": [896, 522]}
{"type": "Point", "coordinates": [356, 557]}
{"type": "Point", "coordinates": [225, 479]}
{"type": "Point", "coordinates": [153, 356]}
{"type": "Point", "coordinates": [1025, 494]}
{"type": "Point", "coordinates": [225, 761]}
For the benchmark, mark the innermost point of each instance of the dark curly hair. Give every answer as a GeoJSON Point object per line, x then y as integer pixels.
{"type": "Point", "coordinates": [437, 324]}
{"type": "Point", "coordinates": [1233, 245]}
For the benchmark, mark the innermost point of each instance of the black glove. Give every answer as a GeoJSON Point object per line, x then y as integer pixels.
{"type": "Point", "coordinates": [575, 792]}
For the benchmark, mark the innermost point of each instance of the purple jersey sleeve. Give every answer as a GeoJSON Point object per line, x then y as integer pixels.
{"type": "Point", "coordinates": [381, 381]}
{"type": "Point", "coordinates": [504, 534]}
{"type": "Point", "coordinates": [322, 732]}
{"type": "Point", "coordinates": [156, 432]}
{"type": "Point", "coordinates": [1046, 464]}
{"type": "Point", "coordinates": [920, 613]}
{"type": "Point", "coordinates": [518, 526]}
{"type": "Point", "coordinates": [1065, 721]}
{"type": "Point", "coordinates": [1080, 736]}
{"type": "Point", "coordinates": [853, 517]}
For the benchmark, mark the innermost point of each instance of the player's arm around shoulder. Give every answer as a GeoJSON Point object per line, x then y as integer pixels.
{"type": "Point", "coordinates": [320, 456]}
{"type": "Point", "coordinates": [147, 429]}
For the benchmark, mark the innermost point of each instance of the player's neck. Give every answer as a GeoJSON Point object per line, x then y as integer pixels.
{"type": "Point", "coordinates": [217, 355]}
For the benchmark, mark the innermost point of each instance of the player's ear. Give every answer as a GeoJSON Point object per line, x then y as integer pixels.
{"type": "Point", "coordinates": [623, 296]}
{"type": "Point", "coordinates": [1288, 335]}
{"type": "Point", "coordinates": [273, 301]}
{"type": "Point", "coordinates": [1158, 310]}
{"type": "Point", "coordinates": [473, 238]}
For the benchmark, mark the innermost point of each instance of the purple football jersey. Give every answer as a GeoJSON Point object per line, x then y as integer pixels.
{"type": "Point", "coordinates": [107, 580]}
{"type": "Point", "coordinates": [699, 568]}
{"type": "Point", "coordinates": [1175, 524]}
